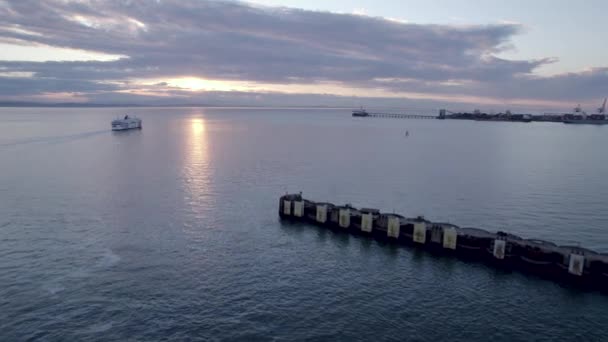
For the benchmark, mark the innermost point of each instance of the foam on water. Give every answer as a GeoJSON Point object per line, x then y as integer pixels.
{"type": "Point", "coordinates": [53, 288]}
{"type": "Point", "coordinates": [98, 328]}
{"type": "Point", "coordinates": [108, 259]}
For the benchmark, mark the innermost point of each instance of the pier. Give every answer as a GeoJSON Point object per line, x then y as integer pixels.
{"type": "Point", "coordinates": [396, 116]}
{"type": "Point", "coordinates": [573, 264]}
{"type": "Point", "coordinates": [476, 115]}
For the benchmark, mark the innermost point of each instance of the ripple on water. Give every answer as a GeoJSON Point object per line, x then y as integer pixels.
{"type": "Point", "coordinates": [172, 233]}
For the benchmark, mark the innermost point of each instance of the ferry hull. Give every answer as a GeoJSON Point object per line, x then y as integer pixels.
{"type": "Point", "coordinates": [125, 128]}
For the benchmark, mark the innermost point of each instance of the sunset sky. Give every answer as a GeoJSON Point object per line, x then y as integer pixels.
{"type": "Point", "coordinates": [403, 53]}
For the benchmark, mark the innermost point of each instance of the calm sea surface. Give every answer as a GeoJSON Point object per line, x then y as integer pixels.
{"type": "Point", "coordinates": [172, 232]}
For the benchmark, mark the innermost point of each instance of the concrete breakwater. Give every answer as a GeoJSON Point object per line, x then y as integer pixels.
{"type": "Point", "coordinates": [572, 264]}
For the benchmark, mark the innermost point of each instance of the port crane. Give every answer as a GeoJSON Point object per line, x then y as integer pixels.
{"type": "Point", "coordinates": [602, 109]}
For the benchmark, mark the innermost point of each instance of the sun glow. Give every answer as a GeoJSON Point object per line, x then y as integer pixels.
{"type": "Point", "coordinates": [381, 90]}
{"type": "Point", "coordinates": [197, 84]}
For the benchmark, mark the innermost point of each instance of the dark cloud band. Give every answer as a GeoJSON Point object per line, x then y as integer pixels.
{"type": "Point", "coordinates": [237, 41]}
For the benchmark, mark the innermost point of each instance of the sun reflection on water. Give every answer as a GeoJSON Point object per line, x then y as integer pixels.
{"type": "Point", "coordinates": [198, 194]}
{"type": "Point", "coordinates": [197, 145]}
{"type": "Point", "coordinates": [198, 126]}
{"type": "Point", "coordinates": [197, 159]}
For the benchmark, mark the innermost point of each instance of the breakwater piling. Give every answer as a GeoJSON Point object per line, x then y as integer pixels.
{"type": "Point", "coordinates": [572, 264]}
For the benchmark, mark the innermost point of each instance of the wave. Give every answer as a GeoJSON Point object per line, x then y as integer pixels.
{"type": "Point", "coordinates": [53, 139]}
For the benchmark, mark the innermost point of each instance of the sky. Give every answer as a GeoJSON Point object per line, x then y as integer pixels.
{"type": "Point", "coordinates": [454, 54]}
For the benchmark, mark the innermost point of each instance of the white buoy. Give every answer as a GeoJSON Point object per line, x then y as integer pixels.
{"type": "Point", "coordinates": [577, 263]}
{"type": "Point", "coordinates": [322, 213]}
{"type": "Point", "coordinates": [499, 249]}
{"type": "Point", "coordinates": [344, 219]}
{"type": "Point", "coordinates": [450, 237]}
{"type": "Point", "coordinates": [287, 207]}
{"type": "Point", "coordinates": [393, 227]}
{"type": "Point", "coordinates": [298, 208]}
{"type": "Point", "coordinates": [419, 235]}
{"type": "Point", "coordinates": [367, 221]}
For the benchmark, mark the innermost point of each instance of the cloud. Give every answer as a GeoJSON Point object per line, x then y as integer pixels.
{"type": "Point", "coordinates": [11, 86]}
{"type": "Point", "coordinates": [234, 41]}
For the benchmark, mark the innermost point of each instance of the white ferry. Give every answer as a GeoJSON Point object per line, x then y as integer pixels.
{"type": "Point", "coordinates": [126, 123]}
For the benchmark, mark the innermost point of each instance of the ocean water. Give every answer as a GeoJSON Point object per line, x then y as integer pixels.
{"type": "Point", "coordinates": [172, 233]}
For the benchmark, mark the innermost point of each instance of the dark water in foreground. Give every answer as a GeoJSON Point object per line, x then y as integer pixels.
{"type": "Point", "coordinates": [171, 233]}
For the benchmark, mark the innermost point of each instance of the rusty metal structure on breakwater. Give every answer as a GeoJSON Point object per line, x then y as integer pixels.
{"type": "Point", "coordinates": [573, 264]}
